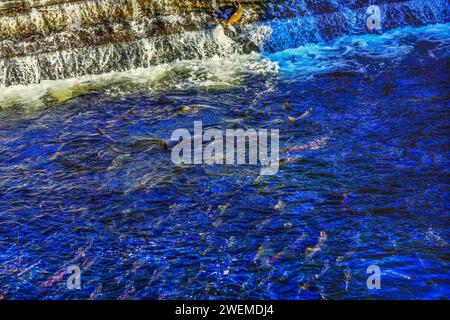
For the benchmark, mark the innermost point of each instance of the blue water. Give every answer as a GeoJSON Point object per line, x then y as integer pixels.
{"type": "Point", "coordinates": [367, 166]}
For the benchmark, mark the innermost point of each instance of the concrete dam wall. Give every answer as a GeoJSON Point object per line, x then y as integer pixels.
{"type": "Point", "coordinates": [58, 39]}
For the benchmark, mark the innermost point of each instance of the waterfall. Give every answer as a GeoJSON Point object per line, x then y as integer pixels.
{"type": "Point", "coordinates": [58, 39]}
{"type": "Point", "coordinates": [328, 19]}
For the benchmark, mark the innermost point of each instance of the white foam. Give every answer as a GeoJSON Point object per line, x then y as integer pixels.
{"type": "Point", "coordinates": [216, 72]}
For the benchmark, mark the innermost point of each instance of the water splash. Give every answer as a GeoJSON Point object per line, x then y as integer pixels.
{"type": "Point", "coordinates": [352, 54]}
{"type": "Point", "coordinates": [66, 41]}
{"type": "Point", "coordinates": [213, 73]}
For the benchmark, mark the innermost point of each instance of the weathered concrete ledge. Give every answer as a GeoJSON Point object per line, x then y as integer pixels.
{"type": "Point", "coordinates": [55, 25]}
{"type": "Point", "coordinates": [32, 27]}
{"type": "Point", "coordinates": [55, 39]}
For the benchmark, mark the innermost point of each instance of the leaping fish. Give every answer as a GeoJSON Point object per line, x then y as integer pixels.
{"type": "Point", "coordinates": [236, 16]}
{"type": "Point", "coordinates": [312, 251]}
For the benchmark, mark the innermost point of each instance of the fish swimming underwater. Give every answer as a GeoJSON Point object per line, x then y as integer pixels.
{"type": "Point", "coordinates": [312, 251]}
{"type": "Point", "coordinates": [315, 144]}
{"type": "Point", "coordinates": [236, 16]}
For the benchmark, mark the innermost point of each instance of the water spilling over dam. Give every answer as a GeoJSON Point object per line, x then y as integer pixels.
{"type": "Point", "coordinates": [91, 93]}
{"type": "Point", "coordinates": [59, 39]}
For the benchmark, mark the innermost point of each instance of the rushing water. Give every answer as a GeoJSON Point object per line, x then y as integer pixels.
{"type": "Point", "coordinates": [71, 40]}
{"type": "Point", "coordinates": [366, 165]}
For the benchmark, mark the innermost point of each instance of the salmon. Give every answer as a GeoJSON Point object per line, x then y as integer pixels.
{"type": "Point", "coordinates": [235, 17]}
{"type": "Point", "coordinates": [57, 277]}
{"type": "Point", "coordinates": [312, 251]}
